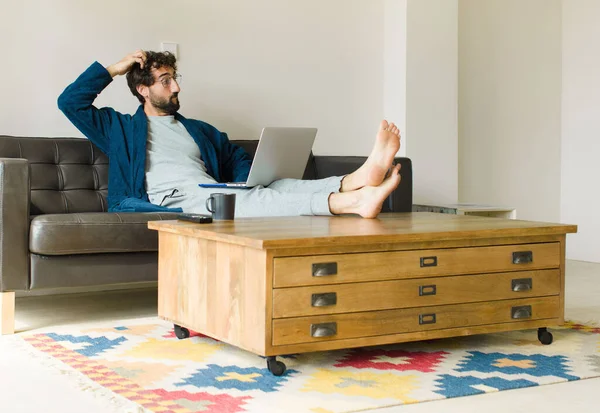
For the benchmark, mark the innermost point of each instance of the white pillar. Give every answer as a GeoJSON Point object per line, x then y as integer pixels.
{"type": "Point", "coordinates": [432, 99]}
{"type": "Point", "coordinates": [580, 141]}
{"type": "Point", "coordinates": [394, 70]}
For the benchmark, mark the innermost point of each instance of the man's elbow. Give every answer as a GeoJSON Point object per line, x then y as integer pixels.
{"type": "Point", "coordinates": [64, 103]}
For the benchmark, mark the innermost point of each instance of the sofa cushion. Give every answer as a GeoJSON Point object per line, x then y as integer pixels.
{"type": "Point", "coordinates": [93, 233]}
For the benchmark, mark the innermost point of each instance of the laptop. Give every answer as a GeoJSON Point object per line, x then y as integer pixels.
{"type": "Point", "coordinates": [281, 153]}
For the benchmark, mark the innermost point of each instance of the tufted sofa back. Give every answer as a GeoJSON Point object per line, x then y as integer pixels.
{"type": "Point", "coordinates": [65, 174]}
{"type": "Point", "coordinates": [71, 174]}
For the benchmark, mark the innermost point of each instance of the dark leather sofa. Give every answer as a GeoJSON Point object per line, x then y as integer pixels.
{"type": "Point", "coordinates": [55, 231]}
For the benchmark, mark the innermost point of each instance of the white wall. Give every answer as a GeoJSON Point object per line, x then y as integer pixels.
{"type": "Point", "coordinates": [580, 191]}
{"type": "Point", "coordinates": [394, 73]}
{"type": "Point", "coordinates": [432, 99]}
{"type": "Point", "coordinates": [246, 64]}
{"type": "Point", "coordinates": [343, 64]}
{"type": "Point", "coordinates": [510, 105]}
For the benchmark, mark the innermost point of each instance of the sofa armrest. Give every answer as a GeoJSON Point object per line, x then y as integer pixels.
{"type": "Point", "coordinates": [399, 201]}
{"type": "Point", "coordinates": [14, 224]}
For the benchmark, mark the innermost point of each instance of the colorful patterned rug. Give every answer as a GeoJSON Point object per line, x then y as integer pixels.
{"type": "Point", "coordinates": [143, 364]}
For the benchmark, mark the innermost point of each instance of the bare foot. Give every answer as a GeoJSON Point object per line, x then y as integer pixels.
{"type": "Point", "coordinates": [367, 201]}
{"type": "Point", "coordinates": [374, 170]}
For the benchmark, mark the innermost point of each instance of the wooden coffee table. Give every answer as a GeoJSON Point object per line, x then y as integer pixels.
{"type": "Point", "coordinates": [276, 286]}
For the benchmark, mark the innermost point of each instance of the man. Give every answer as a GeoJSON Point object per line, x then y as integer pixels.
{"type": "Point", "coordinates": [158, 157]}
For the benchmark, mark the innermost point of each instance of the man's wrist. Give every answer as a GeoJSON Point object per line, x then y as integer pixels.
{"type": "Point", "coordinates": [111, 70]}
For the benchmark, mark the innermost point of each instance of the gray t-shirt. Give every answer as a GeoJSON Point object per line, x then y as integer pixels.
{"type": "Point", "coordinates": [172, 158]}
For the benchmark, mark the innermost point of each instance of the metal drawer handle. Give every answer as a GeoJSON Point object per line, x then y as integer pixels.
{"type": "Point", "coordinates": [522, 284]}
{"type": "Point", "coordinates": [523, 311]}
{"type": "Point", "coordinates": [323, 300]}
{"type": "Point", "coordinates": [522, 257]}
{"type": "Point", "coordinates": [324, 268]}
{"type": "Point", "coordinates": [426, 319]}
{"type": "Point", "coordinates": [323, 330]}
{"type": "Point", "coordinates": [427, 290]}
{"type": "Point", "coordinates": [428, 262]}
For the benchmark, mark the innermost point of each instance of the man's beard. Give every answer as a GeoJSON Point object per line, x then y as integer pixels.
{"type": "Point", "coordinates": [168, 106]}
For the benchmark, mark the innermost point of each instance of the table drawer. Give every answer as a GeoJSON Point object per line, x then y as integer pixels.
{"type": "Point", "coordinates": [385, 295]}
{"type": "Point", "coordinates": [344, 268]}
{"type": "Point", "coordinates": [376, 323]}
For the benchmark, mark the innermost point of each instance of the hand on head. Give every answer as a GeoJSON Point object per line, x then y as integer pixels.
{"type": "Point", "coordinates": [124, 65]}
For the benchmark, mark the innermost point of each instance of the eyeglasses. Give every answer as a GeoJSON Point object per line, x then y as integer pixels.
{"type": "Point", "coordinates": [166, 81]}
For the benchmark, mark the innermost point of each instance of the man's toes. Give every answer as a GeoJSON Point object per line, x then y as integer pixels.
{"type": "Point", "coordinates": [395, 171]}
{"type": "Point", "coordinates": [383, 125]}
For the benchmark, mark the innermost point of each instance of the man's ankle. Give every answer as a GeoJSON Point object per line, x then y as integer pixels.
{"type": "Point", "coordinates": [334, 203]}
{"type": "Point", "coordinates": [343, 202]}
{"type": "Point", "coordinates": [349, 183]}
{"type": "Point", "coordinates": [344, 184]}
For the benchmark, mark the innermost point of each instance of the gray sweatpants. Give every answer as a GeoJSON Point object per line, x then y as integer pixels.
{"type": "Point", "coordinates": [285, 197]}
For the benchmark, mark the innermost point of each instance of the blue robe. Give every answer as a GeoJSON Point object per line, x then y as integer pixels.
{"type": "Point", "coordinates": [123, 139]}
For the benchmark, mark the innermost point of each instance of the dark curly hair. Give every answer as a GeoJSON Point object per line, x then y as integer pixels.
{"type": "Point", "coordinates": [138, 76]}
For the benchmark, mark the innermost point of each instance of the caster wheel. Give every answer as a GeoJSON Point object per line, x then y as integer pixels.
{"type": "Point", "coordinates": [277, 368]}
{"type": "Point", "coordinates": [544, 336]}
{"type": "Point", "coordinates": [181, 332]}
